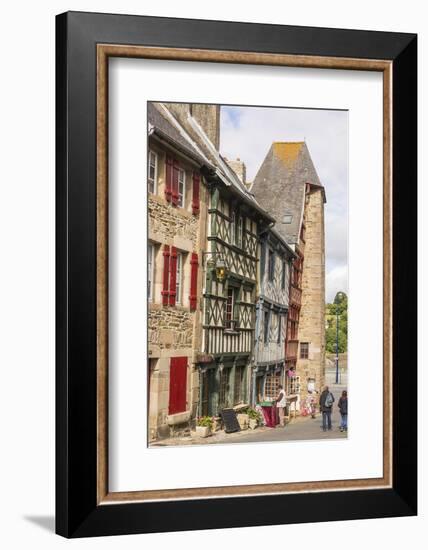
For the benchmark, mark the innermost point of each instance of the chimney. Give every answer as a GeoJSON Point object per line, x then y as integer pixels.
{"type": "Point", "coordinates": [208, 117]}
{"type": "Point", "coordinates": [239, 168]}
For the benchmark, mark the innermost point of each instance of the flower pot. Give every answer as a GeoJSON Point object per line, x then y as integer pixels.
{"type": "Point", "coordinates": [243, 420]}
{"type": "Point", "coordinates": [203, 431]}
{"type": "Point", "coordinates": [253, 423]}
{"type": "Point", "coordinates": [216, 425]}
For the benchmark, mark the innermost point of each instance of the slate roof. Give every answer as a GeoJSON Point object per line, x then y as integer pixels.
{"type": "Point", "coordinates": [279, 186]}
{"type": "Point", "coordinates": [188, 136]}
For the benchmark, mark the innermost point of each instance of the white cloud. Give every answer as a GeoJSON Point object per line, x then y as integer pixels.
{"type": "Point", "coordinates": [336, 280]}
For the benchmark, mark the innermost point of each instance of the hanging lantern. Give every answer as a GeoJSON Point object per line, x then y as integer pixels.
{"type": "Point", "coordinates": [220, 271]}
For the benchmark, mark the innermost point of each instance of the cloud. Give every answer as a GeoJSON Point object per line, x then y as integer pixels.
{"type": "Point", "coordinates": [336, 280]}
{"type": "Point", "coordinates": [248, 132]}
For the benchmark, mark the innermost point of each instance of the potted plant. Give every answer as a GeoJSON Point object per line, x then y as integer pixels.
{"type": "Point", "coordinates": [216, 425]}
{"type": "Point", "coordinates": [255, 418]}
{"type": "Point", "coordinates": [204, 426]}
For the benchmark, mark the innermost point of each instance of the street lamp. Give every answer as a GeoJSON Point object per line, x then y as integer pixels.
{"type": "Point", "coordinates": [220, 270]}
{"type": "Point", "coordinates": [217, 264]}
{"type": "Point", "coordinates": [336, 300]}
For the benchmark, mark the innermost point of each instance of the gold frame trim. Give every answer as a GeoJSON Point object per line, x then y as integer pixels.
{"type": "Point", "coordinates": [104, 51]}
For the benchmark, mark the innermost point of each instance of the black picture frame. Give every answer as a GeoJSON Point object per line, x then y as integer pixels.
{"type": "Point", "coordinates": [77, 512]}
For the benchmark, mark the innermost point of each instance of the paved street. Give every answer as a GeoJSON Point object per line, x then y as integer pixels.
{"type": "Point", "coordinates": [299, 429]}
{"type": "Point", "coordinates": [302, 428]}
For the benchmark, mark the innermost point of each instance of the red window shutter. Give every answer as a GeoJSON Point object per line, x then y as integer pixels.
{"type": "Point", "coordinates": [174, 195]}
{"type": "Point", "coordinates": [177, 385]}
{"type": "Point", "coordinates": [195, 197]}
{"type": "Point", "coordinates": [173, 276]}
{"type": "Point", "coordinates": [193, 281]}
{"type": "Point", "coordinates": [165, 290]}
{"type": "Point", "coordinates": [168, 179]}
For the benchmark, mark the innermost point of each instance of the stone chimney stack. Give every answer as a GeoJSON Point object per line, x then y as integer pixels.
{"type": "Point", "coordinates": [180, 110]}
{"type": "Point", "coordinates": [239, 168]}
{"type": "Point", "coordinates": [207, 116]}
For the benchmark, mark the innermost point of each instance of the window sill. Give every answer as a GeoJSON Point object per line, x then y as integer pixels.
{"type": "Point", "coordinates": [231, 331]}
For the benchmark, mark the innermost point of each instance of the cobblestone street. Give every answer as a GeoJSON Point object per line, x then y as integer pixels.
{"type": "Point", "coordinates": [299, 429]}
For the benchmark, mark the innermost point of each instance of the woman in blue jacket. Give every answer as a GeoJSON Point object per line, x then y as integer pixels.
{"type": "Point", "coordinates": [343, 408]}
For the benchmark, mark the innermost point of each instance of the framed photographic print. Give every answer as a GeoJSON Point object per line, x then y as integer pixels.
{"type": "Point", "coordinates": [236, 274]}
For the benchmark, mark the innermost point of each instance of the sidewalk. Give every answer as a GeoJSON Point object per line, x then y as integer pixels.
{"type": "Point", "coordinates": [299, 429]}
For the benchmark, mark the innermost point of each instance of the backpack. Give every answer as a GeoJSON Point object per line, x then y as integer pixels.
{"type": "Point", "coordinates": [328, 400]}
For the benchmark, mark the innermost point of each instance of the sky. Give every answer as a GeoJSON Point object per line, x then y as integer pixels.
{"type": "Point", "coordinates": [248, 132]}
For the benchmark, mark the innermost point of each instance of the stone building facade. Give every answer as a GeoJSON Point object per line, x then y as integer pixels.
{"type": "Point", "coordinates": [235, 275]}
{"type": "Point", "coordinates": [201, 328]}
{"type": "Point", "coordinates": [269, 368]}
{"type": "Point", "coordinates": [288, 187]}
{"type": "Point", "coordinates": [177, 222]}
{"type": "Point", "coordinates": [234, 224]}
{"type": "Point", "coordinates": [311, 353]}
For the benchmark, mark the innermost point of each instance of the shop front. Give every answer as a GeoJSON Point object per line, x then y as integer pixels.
{"type": "Point", "coordinates": [266, 382]}
{"type": "Point", "coordinates": [223, 385]}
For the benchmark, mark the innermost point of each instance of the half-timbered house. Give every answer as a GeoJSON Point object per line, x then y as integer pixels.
{"type": "Point", "coordinates": [287, 185]}
{"type": "Point", "coordinates": [234, 223]}
{"type": "Point", "coordinates": [228, 262]}
{"type": "Point", "coordinates": [275, 266]}
{"type": "Point", "coordinates": [203, 237]}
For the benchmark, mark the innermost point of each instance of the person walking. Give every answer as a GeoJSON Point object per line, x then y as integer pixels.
{"type": "Point", "coordinates": [326, 404]}
{"type": "Point", "coordinates": [281, 402]}
{"type": "Point", "coordinates": [343, 408]}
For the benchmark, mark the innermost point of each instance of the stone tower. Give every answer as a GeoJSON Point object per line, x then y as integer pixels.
{"type": "Point", "coordinates": [311, 353]}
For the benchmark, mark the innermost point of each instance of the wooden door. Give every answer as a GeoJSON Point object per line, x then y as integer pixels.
{"type": "Point", "coordinates": [177, 385]}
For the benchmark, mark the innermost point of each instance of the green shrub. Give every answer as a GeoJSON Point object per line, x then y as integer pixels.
{"type": "Point", "coordinates": [205, 421]}
{"type": "Point", "coordinates": [253, 414]}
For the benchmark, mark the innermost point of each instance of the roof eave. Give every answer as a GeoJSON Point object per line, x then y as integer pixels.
{"type": "Point", "coordinates": [162, 136]}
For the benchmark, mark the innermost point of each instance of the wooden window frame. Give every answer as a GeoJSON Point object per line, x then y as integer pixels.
{"type": "Point", "coordinates": [155, 177]}
{"type": "Point", "coordinates": [304, 350]}
{"type": "Point", "coordinates": [239, 385]}
{"type": "Point", "coordinates": [151, 256]}
{"type": "Point", "coordinates": [230, 321]}
{"type": "Point", "coordinates": [266, 326]}
{"type": "Point", "coordinates": [271, 264]}
{"type": "Point", "coordinates": [283, 274]}
{"type": "Point", "coordinates": [181, 200]}
{"type": "Point", "coordinates": [179, 279]}
{"type": "Point", "coordinates": [224, 388]}
{"type": "Point", "coordinates": [232, 225]}
{"type": "Point", "coordinates": [239, 233]}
